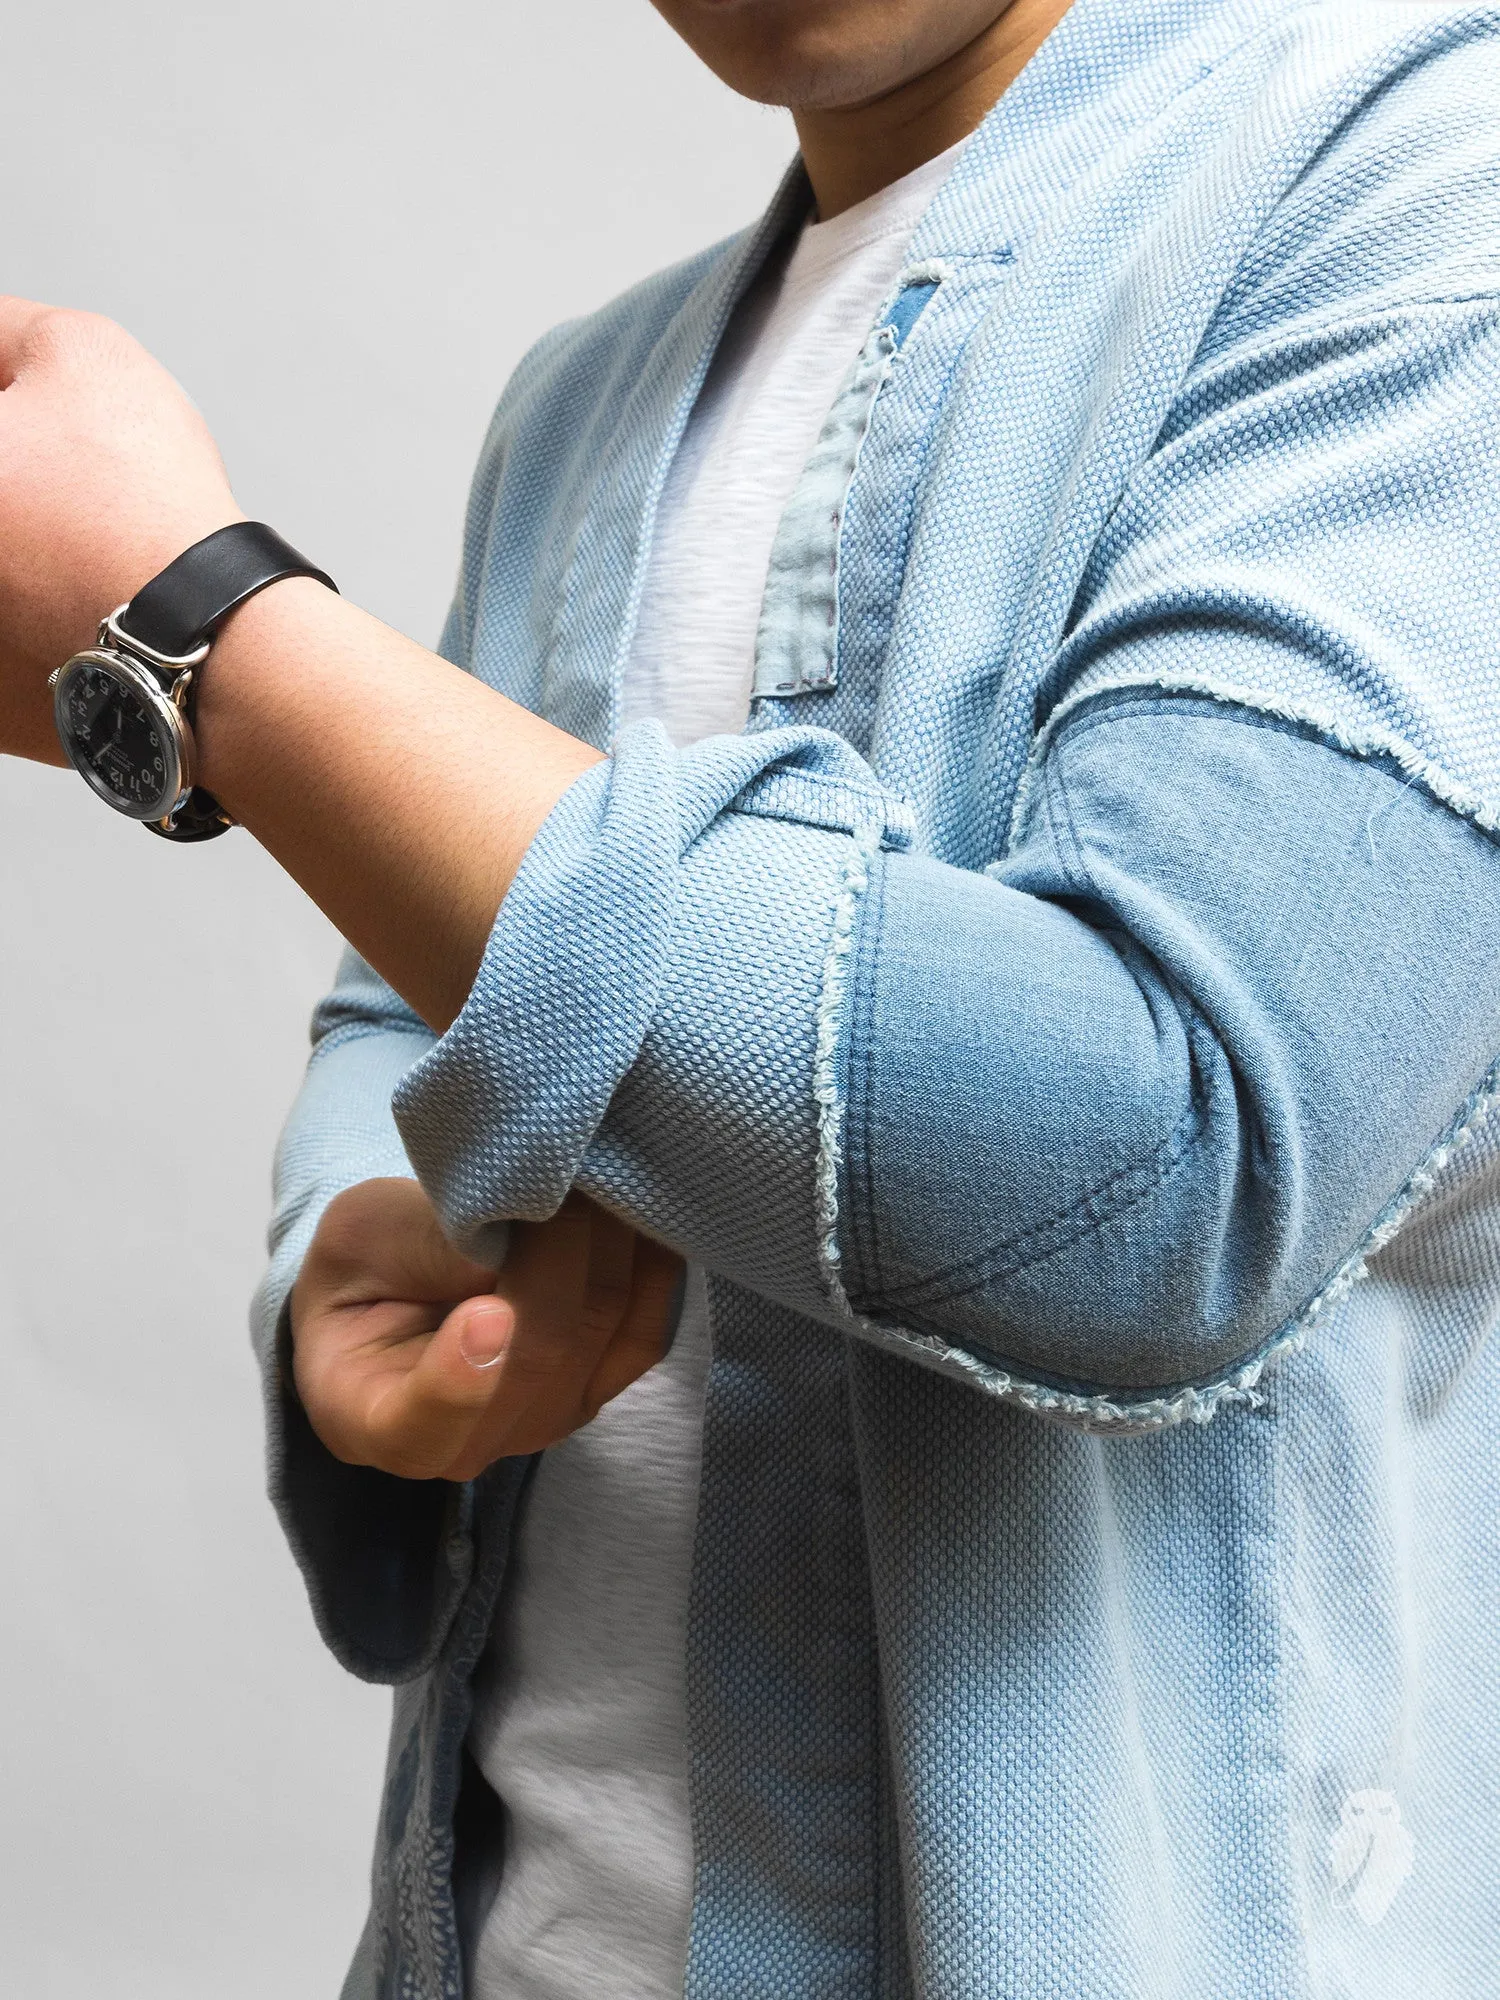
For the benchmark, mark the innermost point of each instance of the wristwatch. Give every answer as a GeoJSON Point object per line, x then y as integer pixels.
{"type": "Point", "coordinates": [124, 706]}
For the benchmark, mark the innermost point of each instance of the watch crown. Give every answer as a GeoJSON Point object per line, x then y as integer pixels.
{"type": "Point", "coordinates": [53, 677]}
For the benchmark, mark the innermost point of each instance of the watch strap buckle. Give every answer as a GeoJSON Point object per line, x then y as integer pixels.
{"type": "Point", "coordinates": [113, 633]}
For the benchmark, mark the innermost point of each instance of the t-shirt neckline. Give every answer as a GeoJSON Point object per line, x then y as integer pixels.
{"type": "Point", "coordinates": [893, 209]}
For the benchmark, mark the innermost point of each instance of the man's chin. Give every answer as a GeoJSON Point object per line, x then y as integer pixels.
{"type": "Point", "coordinates": [820, 55]}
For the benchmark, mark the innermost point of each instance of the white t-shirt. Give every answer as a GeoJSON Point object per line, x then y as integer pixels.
{"type": "Point", "coordinates": [580, 1719]}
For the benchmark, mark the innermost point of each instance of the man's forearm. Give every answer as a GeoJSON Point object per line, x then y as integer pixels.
{"type": "Point", "coordinates": [400, 793]}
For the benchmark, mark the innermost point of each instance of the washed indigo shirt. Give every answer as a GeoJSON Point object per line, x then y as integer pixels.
{"type": "Point", "coordinates": [1064, 1023]}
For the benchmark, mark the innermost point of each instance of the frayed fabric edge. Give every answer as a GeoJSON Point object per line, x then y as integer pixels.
{"type": "Point", "coordinates": [1197, 1402]}
{"type": "Point", "coordinates": [1363, 743]}
{"type": "Point", "coordinates": [832, 1007]}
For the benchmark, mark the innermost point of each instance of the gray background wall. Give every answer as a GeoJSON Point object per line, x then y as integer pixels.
{"type": "Point", "coordinates": [340, 226]}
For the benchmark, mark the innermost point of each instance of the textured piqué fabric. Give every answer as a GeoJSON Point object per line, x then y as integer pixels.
{"type": "Point", "coordinates": [1078, 1016]}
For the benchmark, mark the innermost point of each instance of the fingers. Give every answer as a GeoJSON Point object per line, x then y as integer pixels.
{"type": "Point", "coordinates": [610, 1275]}
{"type": "Point", "coordinates": [569, 1282]}
{"type": "Point", "coordinates": [380, 1281]}
{"type": "Point", "coordinates": [593, 1302]}
{"type": "Point", "coordinates": [411, 1358]}
{"type": "Point", "coordinates": [640, 1341]}
{"type": "Point", "coordinates": [382, 1240]}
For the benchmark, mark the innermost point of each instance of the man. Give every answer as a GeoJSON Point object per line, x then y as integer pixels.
{"type": "Point", "coordinates": [1077, 973]}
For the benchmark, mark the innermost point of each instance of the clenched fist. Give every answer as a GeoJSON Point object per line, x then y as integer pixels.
{"type": "Point", "coordinates": [411, 1358]}
{"type": "Point", "coordinates": [107, 472]}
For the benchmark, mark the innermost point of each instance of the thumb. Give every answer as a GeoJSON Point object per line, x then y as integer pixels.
{"type": "Point", "coordinates": [424, 1420]}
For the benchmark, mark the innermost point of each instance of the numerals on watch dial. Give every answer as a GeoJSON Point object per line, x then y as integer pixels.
{"type": "Point", "coordinates": [111, 733]}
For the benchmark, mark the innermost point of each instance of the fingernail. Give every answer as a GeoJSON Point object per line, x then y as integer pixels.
{"type": "Point", "coordinates": [485, 1335]}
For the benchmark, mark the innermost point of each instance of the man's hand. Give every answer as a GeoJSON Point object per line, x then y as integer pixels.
{"type": "Point", "coordinates": [107, 473]}
{"type": "Point", "coordinates": [411, 1358]}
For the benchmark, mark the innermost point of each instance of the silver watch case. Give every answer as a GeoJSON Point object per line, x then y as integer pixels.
{"type": "Point", "coordinates": [160, 683]}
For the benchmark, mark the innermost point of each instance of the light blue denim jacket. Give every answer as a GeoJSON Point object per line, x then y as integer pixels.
{"type": "Point", "coordinates": [1064, 1024]}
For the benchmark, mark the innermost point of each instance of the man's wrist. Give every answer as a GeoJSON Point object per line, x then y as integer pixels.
{"type": "Point", "coordinates": [399, 792]}
{"type": "Point", "coordinates": [264, 659]}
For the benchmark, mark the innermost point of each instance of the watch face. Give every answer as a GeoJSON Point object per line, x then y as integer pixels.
{"type": "Point", "coordinates": [121, 733]}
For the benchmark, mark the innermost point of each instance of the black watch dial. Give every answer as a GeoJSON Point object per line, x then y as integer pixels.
{"type": "Point", "coordinates": [121, 736]}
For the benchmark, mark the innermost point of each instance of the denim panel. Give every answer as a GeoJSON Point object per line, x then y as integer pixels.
{"type": "Point", "coordinates": [1350, 376]}
{"type": "Point", "coordinates": [1215, 98]}
{"type": "Point", "coordinates": [1135, 1683]}
{"type": "Point", "coordinates": [1319, 590]}
{"type": "Point", "coordinates": [527, 519]}
{"type": "Point", "coordinates": [711, 1140]}
{"type": "Point", "coordinates": [496, 1116]}
{"type": "Point", "coordinates": [1098, 177]}
{"type": "Point", "coordinates": [1396, 206]}
{"type": "Point", "coordinates": [1393, 1633]}
{"type": "Point", "coordinates": [783, 1714]}
{"type": "Point", "coordinates": [1118, 1111]}
{"type": "Point", "coordinates": [865, 554]}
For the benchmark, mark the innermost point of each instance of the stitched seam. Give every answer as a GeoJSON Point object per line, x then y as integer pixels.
{"type": "Point", "coordinates": [841, 508]}
{"type": "Point", "coordinates": [1120, 1191]}
{"type": "Point", "coordinates": [963, 1280]}
{"type": "Point", "coordinates": [865, 1219]}
{"type": "Point", "coordinates": [1365, 744]}
{"type": "Point", "coordinates": [1198, 1402]}
{"type": "Point", "coordinates": [1278, 1680]}
{"type": "Point", "coordinates": [916, 451]}
{"type": "Point", "coordinates": [1396, 314]}
{"type": "Point", "coordinates": [1184, 75]}
{"type": "Point", "coordinates": [1063, 827]}
{"type": "Point", "coordinates": [1103, 1204]}
{"type": "Point", "coordinates": [1381, 71]}
{"type": "Point", "coordinates": [1401, 316]}
{"type": "Point", "coordinates": [1115, 705]}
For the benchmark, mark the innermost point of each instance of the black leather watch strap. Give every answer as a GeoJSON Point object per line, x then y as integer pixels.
{"type": "Point", "coordinates": [180, 609]}
{"type": "Point", "coordinates": [199, 817]}
{"type": "Point", "coordinates": [190, 599]}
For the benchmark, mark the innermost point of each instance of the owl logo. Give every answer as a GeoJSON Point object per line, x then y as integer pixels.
{"type": "Point", "coordinates": [1370, 1854]}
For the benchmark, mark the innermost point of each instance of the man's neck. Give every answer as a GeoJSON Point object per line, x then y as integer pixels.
{"type": "Point", "coordinates": [853, 151]}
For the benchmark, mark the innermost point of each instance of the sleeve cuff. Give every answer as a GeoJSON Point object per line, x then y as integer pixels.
{"type": "Point", "coordinates": [498, 1117]}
